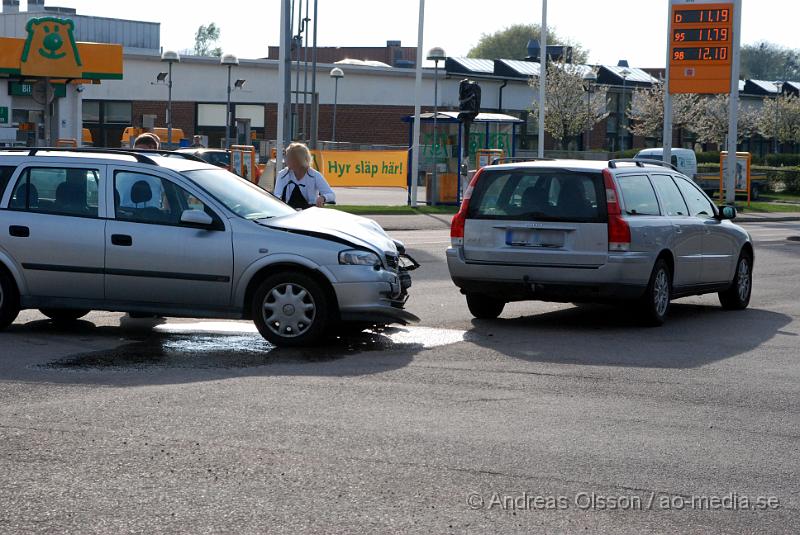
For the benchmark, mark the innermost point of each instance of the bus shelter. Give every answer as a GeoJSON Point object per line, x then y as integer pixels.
{"type": "Point", "coordinates": [441, 154]}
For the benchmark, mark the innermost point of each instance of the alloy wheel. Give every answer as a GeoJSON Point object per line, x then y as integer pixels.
{"type": "Point", "coordinates": [661, 292]}
{"type": "Point", "coordinates": [289, 310]}
{"type": "Point", "coordinates": [743, 279]}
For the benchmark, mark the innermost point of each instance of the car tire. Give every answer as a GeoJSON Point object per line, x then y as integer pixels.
{"type": "Point", "coordinates": [63, 315]}
{"type": "Point", "coordinates": [484, 307]}
{"type": "Point", "coordinates": [737, 297]}
{"type": "Point", "coordinates": [9, 300]}
{"type": "Point", "coordinates": [655, 302]}
{"type": "Point", "coordinates": [290, 310]}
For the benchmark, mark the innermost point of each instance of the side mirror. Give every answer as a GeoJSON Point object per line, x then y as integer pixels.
{"type": "Point", "coordinates": [727, 212]}
{"type": "Point", "coordinates": [196, 218]}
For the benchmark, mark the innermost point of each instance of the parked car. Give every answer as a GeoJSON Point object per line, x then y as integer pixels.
{"type": "Point", "coordinates": [581, 231]}
{"type": "Point", "coordinates": [142, 233]}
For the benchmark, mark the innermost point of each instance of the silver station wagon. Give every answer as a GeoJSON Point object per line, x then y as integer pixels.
{"type": "Point", "coordinates": [161, 233]}
{"type": "Point", "coordinates": [582, 231]}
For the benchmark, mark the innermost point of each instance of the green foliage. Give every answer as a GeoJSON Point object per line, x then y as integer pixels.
{"type": "Point", "coordinates": [512, 43]}
{"type": "Point", "coordinates": [767, 61]}
{"type": "Point", "coordinates": [708, 157]}
{"type": "Point", "coordinates": [205, 39]}
{"type": "Point", "coordinates": [785, 180]}
{"type": "Point", "coordinates": [780, 160]}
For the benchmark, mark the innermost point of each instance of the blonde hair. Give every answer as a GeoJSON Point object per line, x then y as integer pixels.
{"type": "Point", "coordinates": [300, 152]}
{"type": "Point", "coordinates": [147, 138]}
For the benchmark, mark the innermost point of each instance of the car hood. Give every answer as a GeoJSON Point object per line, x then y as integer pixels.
{"type": "Point", "coordinates": [338, 226]}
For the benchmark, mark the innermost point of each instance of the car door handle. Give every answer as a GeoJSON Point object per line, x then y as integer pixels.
{"type": "Point", "coordinates": [678, 229]}
{"type": "Point", "coordinates": [123, 240]}
{"type": "Point", "coordinates": [19, 231]}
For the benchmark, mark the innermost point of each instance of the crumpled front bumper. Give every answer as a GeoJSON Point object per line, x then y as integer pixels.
{"type": "Point", "coordinates": [373, 296]}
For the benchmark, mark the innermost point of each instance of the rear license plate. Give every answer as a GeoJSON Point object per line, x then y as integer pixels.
{"type": "Point", "coordinates": [534, 238]}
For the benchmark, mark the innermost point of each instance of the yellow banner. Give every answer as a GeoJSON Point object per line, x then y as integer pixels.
{"type": "Point", "coordinates": [354, 168]}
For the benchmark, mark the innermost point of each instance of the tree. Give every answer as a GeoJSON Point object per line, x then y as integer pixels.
{"type": "Point", "coordinates": [646, 111]}
{"type": "Point", "coordinates": [780, 117]}
{"type": "Point", "coordinates": [512, 43]}
{"type": "Point", "coordinates": [205, 39]}
{"type": "Point", "coordinates": [767, 61]}
{"type": "Point", "coordinates": [568, 108]}
{"type": "Point", "coordinates": [709, 120]}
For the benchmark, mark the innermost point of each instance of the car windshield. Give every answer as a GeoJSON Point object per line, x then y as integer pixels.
{"type": "Point", "coordinates": [239, 196]}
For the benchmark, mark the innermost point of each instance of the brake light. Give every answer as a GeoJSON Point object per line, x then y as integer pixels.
{"type": "Point", "coordinates": [460, 219]}
{"type": "Point", "coordinates": [619, 233]}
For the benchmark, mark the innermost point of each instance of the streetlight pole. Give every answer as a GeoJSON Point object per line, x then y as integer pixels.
{"type": "Point", "coordinates": [336, 74]}
{"type": "Point", "coordinates": [170, 56]}
{"type": "Point", "coordinates": [589, 79]}
{"type": "Point", "coordinates": [621, 118]}
{"type": "Point", "coordinates": [436, 55]}
{"type": "Point", "coordinates": [228, 60]}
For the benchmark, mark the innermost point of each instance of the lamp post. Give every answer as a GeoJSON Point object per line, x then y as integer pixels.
{"type": "Point", "coordinates": [336, 74]}
{"type": "Point", "coordinates": [589, 80]}
{"type": "Point", "coordinates": [436, 54]}
{"type": "Point", "coordinates": [229, 60]}
{"type": "Point", "coordinates": [170, 56]}
{"type": "Point", "coordinates": [624, 73]}
{"type": "Point", "coordinates": [778, 86]}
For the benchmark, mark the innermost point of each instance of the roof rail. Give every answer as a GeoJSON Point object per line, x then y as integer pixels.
{"type": "Point", "coordinates": [495, 161]}
{"type": "Point", "coordinates": [169, 153]}
{"type": "Point", "coordinates": [141, 158]}
{"type": "Point", "coordinates": [640, 163]}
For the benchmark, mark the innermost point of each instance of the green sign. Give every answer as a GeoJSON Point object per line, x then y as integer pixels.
{"type": "Point", "coordinates": [24, 89]}
{"type": "Point", "coordinates": [3, 114]}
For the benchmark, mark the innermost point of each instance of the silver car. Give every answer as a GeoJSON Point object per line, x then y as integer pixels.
{"type": "Point", "coordinates": [85, 230]}
{"type": "Point", "coordinates": [581, 231]}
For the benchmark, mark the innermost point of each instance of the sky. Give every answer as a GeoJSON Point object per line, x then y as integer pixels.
{"type": "Point", "coordinates": [610, 29]}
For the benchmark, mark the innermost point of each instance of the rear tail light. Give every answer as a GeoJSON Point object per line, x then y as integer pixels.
{"type": "Point", "coordinates": [460, 219]}
{"type": "Point", "coordinates": [619, 233]}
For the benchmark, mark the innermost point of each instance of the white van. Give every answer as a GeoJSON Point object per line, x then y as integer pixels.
{"type": "Point", "coordinates": [684, 160]}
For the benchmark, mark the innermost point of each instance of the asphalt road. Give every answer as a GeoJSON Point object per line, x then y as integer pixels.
{"type": "Point", "coordinates": [553, 419]}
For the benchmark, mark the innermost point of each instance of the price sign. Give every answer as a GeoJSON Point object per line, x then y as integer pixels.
{"type": "Point", "coordinates": [701, 37]}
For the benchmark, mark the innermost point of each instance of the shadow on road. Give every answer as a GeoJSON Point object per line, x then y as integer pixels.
{"type": "Point", "coordinates": [600, 335]}
{"type": "Point", "coordinates": [175, 354]}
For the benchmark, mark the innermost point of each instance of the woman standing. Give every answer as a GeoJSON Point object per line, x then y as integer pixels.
{"type": "Point", "coordinates": [300, 186]}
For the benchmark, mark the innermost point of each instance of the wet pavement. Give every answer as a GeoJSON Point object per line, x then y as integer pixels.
{"type": "Point", "coordinates": [225, 344]}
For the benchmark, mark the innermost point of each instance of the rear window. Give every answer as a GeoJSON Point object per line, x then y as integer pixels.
{"type": "Point", "coordinates": [539, 195]}
{"type": "Point", "coordinates": [638, 195]}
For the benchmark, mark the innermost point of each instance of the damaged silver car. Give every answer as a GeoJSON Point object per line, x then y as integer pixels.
{"type": "Point", "coordinates": [157, 234]}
